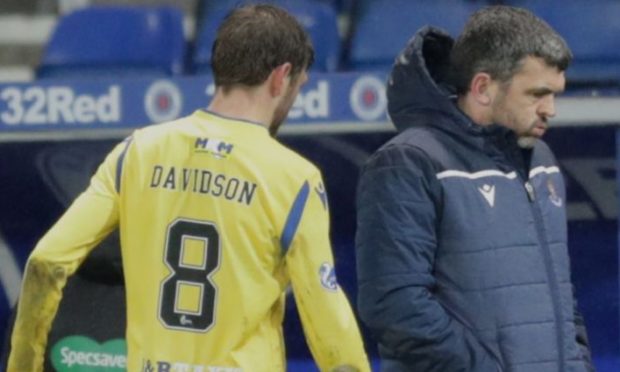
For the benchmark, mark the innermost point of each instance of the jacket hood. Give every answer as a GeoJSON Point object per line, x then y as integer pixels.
{"type": "Point", "coordinates": [419, 81]}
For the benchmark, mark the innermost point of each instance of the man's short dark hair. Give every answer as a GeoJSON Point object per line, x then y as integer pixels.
{"type": "Point", "coordinates": [496, 40]}
{"type": "Point", "coordinates": [255, 39]}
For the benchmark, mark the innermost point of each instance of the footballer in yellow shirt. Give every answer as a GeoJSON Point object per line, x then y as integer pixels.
{"type": "Point", "coordinates": [216, 218]}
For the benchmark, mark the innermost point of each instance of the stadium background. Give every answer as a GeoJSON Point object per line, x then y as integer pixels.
{"type": "Point", "coordinates": [338, 121]}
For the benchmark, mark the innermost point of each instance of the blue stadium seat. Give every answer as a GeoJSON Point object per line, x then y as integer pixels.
{"type": "Point", "coordinates": [116, 41]}
{"type": "Point", "coordinates": [321, 23]}
{"type": "Point", "coordinates": [319, 20]}
{"type": "Point", "coordinates": [592, 31]}
{"type": "Point", "coordinates": [382, 27]}
{"type": "Point", "coordinates": [201, 60]}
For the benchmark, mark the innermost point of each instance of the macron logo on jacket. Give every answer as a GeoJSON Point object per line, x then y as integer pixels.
{"type": "Point", "coordinates": [488, 191]}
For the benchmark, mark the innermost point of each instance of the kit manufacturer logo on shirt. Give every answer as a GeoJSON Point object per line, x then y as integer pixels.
{"type": "Point", "coordinates": [488, 191]}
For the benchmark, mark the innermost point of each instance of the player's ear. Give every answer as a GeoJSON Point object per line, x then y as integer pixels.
{"type": "Point", "coordinates": [482, 88]}
{"type": "Point", "coordinates": [279, 79]}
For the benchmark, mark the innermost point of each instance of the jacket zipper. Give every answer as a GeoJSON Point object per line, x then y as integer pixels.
{"type": "Point", "coordinates": [551, 277]}
{"type": "Point", "coordinates": [523, 172]}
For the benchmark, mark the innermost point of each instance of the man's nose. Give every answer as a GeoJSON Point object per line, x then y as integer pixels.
{"type": "Point", "coordinates": [547, 106]}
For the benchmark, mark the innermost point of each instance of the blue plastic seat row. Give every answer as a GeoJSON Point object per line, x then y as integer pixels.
{"type": "Point", "coordinates": [100, 41]}
{"type": "Point", "coordinates": [113, 41]}
{"type": "Point", "coordinates": [382, 27]}
{"type": "Point", "coordinates": [592, 31]}
{"type": "Point", "coordinates": [318, 18]}
{"type": "Point", "coordinates": [104, 41]}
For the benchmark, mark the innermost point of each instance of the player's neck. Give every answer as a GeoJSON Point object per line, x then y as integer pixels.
{"type": "Point", "coordinates": [243, 104]}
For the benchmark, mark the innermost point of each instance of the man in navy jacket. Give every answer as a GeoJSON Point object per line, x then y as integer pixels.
{"type": "Point", "coordinates": [461, 241]}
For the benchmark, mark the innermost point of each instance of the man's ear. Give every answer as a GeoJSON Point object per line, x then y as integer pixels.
{"type": "Point", "coordinates": [279, 79]}
{"type": "Point", "coordinates": [482, 88]}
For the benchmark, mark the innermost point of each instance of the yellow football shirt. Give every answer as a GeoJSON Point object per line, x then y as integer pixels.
{"type": "Point", "coordinates": [216, 219]}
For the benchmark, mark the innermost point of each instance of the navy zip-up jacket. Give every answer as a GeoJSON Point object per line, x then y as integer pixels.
{"type": "Point", "coordinates": [461, 244]}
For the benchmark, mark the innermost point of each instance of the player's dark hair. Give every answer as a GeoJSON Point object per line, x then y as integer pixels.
{"type": "Point", "coordinates": [497, 39]}
{"type": "Point", "coordinates": [255, 39]}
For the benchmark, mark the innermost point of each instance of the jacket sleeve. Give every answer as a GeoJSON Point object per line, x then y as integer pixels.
{"type": "Point", "coordinates": [398, 209]}
{"type": "Point", "coordinates": [328, 321]}
{"type": "Point", "coordinates": [91, 217]}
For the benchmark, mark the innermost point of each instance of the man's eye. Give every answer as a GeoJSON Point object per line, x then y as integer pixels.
{"type": "Point", "coordinates": [539, 95]}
